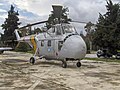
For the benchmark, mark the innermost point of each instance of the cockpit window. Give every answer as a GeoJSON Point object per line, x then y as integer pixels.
{"type": "Point", "coordinates": [61, 29]}
{"type": "Point", "coordinates": [52, 30]}
{"type": "Point", "coordinates": [68, 29]}
{"type": "Point", "coordinates": [58, 30]}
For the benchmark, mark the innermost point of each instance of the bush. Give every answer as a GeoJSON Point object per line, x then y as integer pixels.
{"type": "Point", "coordinates": [23, 47]}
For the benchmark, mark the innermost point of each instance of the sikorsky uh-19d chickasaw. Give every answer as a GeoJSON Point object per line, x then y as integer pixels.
{"type": "Point", "coordinates": [59, 42]}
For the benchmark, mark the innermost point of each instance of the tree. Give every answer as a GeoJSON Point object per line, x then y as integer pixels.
{"type": "Point", "coordinates": [58, 15]}
{"type": "Point", "coordinates": [89, 28]}
{"type": "Point", "coordinates": [107, 34]}
{"type": "Point", "coordinates": [11, 23]}
{"type": "Point", "coordinates": [23, 47]}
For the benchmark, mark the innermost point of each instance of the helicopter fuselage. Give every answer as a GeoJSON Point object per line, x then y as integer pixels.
{"type": "Point", "coordinates": [60, 42]}
{"type": "Point", "coordinates": [59, 45]}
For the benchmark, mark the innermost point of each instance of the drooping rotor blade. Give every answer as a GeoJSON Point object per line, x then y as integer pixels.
{"type": "Point", "coordinates": [95, 25]}
{"type": "Point", "coordinates": [33, 24]}
{"type": "Point", "coordinates": [79, 22]}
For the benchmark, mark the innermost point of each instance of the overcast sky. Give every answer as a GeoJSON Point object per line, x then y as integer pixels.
{"type": "Point", "coordinates": [36, 10]}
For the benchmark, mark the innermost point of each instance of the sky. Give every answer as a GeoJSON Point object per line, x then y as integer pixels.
{"type": "Point", "coordinates": [31, 11]}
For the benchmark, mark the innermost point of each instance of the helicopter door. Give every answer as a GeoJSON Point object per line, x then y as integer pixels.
{"type": "Point", "coordinates": [58, 45]}
{"type": "Point", "coordinates": [51, 48]}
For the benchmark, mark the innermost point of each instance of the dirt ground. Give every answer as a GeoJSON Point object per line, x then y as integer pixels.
{"type": "Point", "coordinates": [16, 73]}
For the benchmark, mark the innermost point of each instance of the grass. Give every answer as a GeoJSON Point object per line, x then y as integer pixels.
{"type": "Point", "coordinates": [31, 51]}
{"type": "Point", "coordinates": [104, 59]}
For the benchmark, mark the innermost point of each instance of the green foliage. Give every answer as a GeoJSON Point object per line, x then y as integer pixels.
{"type": "Point", "coordinates": [23, 47]}
{"type": "Point", "coordinates": [52, 20]}
{"type": "Point", "coordinates": [104, 59]}
{"type": "Point", "coordinates": [107, 34]}
{"type": "Point", "coordinates": [10, 24]}
{"type": "Point", "coordinates": [90, 31]}
{"type": "Point", "coordinates": [88, 45]}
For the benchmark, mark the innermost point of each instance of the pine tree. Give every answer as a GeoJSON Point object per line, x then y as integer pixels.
{"type": "Point", "coordinates": [52, 20]}
{"type": "Point", "coordinates": [11, 23]}
{"type": "Point", "coordinates": [107, 34]}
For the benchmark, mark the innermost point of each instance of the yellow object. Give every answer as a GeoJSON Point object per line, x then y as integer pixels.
{"type": "Point", "coordinates": [32, 39]}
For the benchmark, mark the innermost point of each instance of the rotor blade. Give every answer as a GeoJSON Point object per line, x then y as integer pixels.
{"type": "Point", "coordinates": [94, 24]}
{"type": "Point", "coordinates": [33, 24]}
{"type": "Point", "coordinates": [79, 22]}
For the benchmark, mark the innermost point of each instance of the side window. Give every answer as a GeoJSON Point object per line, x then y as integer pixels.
{"type": "Point", "coordinates": [60, 44]}
{"type": "Point", "coordinates": [42, 43]}
{"type": "Point", "coordinates": [58, 30]}
{"type": "Point", "coordinates": [49, 43]}
{"type": "Point", "coordinates": [51, 30]}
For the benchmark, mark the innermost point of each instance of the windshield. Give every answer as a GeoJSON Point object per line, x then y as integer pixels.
{"type": "Point", "coordinates": [61, 29]}
{"type": "Point", "coordinates": [68, 29]}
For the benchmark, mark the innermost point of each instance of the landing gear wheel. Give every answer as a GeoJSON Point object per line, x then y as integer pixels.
{"type": "Point", "coordinates": [64, 64]}
{"type": "Point", "coordinates": [32, 60]}
{"type": "Point", "coordinates": [78, 64]}
{"type": "Point", "coordinates": [1, 52]}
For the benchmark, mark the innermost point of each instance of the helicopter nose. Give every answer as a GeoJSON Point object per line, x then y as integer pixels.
{"type": "Point", "coordinates": [74, 47]}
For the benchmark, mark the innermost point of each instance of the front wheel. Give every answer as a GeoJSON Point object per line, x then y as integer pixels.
{"type": "Point", "coordinates": [98, 56]}
{"type": "Point", "coordinates": [32, 60]}
{"type": "Point", "coordinates": [64, 64]}
{"type": "Point", "coordinates": [1, 52]}
{"type": "Point", "coordinates": [78, 64]}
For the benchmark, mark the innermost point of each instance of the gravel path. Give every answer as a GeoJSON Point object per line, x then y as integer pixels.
{"type": "Point", "coordinates": [17, 74]}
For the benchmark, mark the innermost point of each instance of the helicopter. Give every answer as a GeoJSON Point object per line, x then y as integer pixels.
{"type": "Point", "coordinates": [58, 42]}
